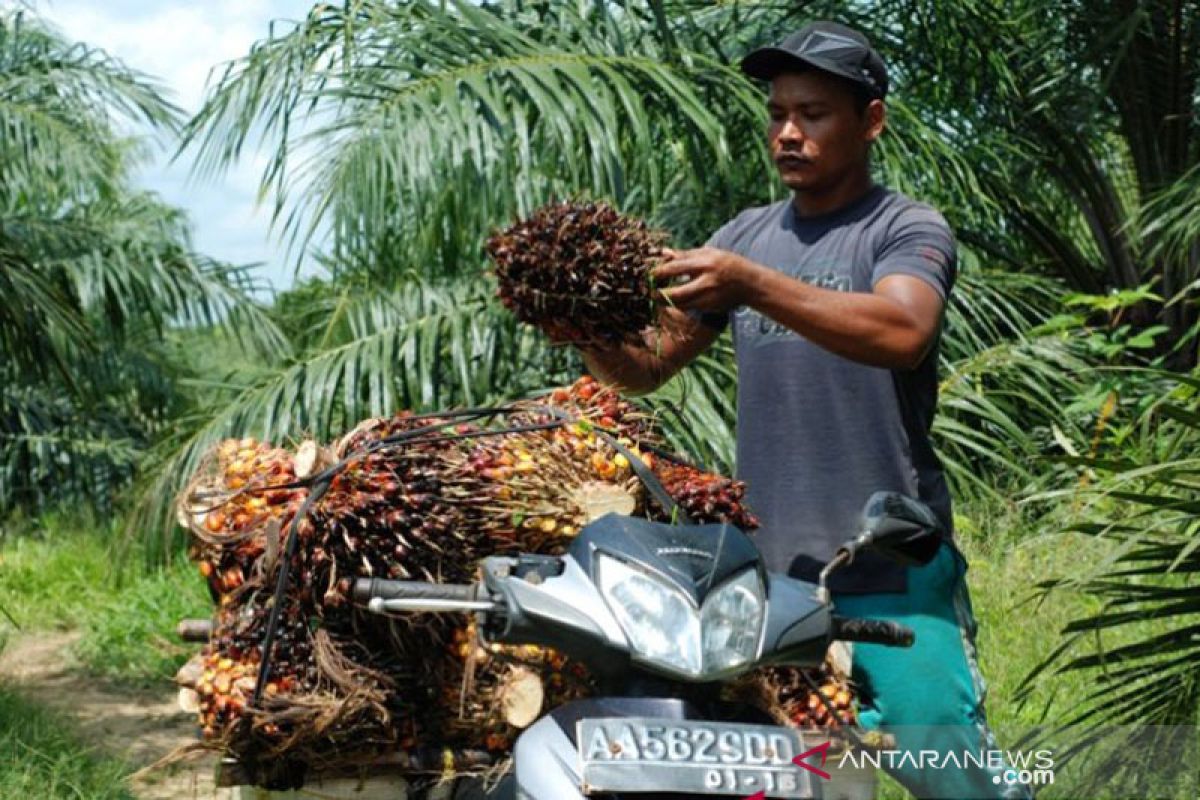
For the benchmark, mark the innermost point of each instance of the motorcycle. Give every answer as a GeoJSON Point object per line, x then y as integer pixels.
{"type": "Point", "coordinates": [661, 615]}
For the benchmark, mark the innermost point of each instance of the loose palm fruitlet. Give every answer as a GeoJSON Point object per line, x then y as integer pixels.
{"type": "Point", "coordinates": [415, 497]}
{"type": "Point", "coordinates": [579, 271]}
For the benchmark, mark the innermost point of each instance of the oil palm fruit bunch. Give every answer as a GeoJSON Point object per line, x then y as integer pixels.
{"type": "Point", "coordinates": [230, 510]}
{"type": "Point", "coordinates": [389, 512]}
{"type": "Point", "coordinates": [425, 507]}
{"type": "Point", "coordinates": [704, 496]}
{"type": "Point", "coordinates": [604, 407]}
{"type": "Point", "coordinates": [385, 516]}
{"type": "Point", "coordinates": [805, 708]}
{"type": "Point", "coordinates": [538, 489]}
{"type": "Point", "coordinates": [230, 664]}
{"type": "Point", "coordinates": [323, 695]}
{"type": "Point", "coordinates": [225, 688]}
{"type": "Point", "coordinates": [579, 271]}
{"type": "Point", "coordinates": [370, 433]}
{"type": "Point", "coordinates": [498, 690]}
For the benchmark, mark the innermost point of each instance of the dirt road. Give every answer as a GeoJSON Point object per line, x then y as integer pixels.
{"type": "Point", "coordinates": [137, 726]}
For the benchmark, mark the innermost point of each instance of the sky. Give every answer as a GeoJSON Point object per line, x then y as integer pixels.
{"type": "Point", "coordinates": [178, 42]}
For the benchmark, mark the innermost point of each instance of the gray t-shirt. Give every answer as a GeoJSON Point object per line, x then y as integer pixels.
{"type": "Point", "coordinates": [818, 433]}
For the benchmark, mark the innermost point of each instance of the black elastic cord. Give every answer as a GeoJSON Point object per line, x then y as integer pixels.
{"type": "Point", "coordinates": [381, 444]}
{"type": "Point", "coordinates": [541, 426]}
{"type": "Point", "coordinates": [639, 467]}
{"type": "Point", "coordinates": [281, 584]}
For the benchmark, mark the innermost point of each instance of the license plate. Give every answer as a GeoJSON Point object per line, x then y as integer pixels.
{"type": "Point", "coordinates": [634, 754]}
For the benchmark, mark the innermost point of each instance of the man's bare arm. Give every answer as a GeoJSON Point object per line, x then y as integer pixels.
{"type": "Point", "coordinates": [666, 349]}
{"type": "Point", "coordinates": [892, 327]}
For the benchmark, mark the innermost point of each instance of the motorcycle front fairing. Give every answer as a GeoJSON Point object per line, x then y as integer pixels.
{"type": "Point", "coordinates": [557, 601]}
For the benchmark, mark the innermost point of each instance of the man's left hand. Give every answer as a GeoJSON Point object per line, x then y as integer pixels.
{"type": "Point", "coordinates": [717, 279]}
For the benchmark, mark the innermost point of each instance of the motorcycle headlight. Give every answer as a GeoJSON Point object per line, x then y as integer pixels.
{"type": "Point", "coordinates": [661, 622]}
{"type": "Point", "coordinates": [731, 621]}
{"type": "Point", "coordinates": [664, 626]}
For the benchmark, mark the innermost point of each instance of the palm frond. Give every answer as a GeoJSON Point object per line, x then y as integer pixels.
{"type": "Point", "coordinates": [1169, 224]}
{"type": "Point", "coordinates": [1145, 651]}
{"type": "Point", "coordinates": [93, 274]}
{"type": "Point", "coordinates": [992, 306]}
{"type": "Point", "coordinates": [997, 411]}
{"type": "Point", "coordinates": [54, 448]}
{"type": "Point", "coordinates": [36, 320]}
{"type": "Point", "coordinates": [696, 408]}
{"type": "Point", "coordinates": [59, 103]}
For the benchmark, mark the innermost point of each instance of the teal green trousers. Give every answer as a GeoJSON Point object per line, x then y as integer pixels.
{"type": "Point", "coordinates": [931, 696]}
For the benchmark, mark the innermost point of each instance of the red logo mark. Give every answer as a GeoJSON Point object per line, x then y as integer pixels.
{"type": "Point", "coordinates": [823, 749]}
{"type": "Point", "coordinates": [799, 761]}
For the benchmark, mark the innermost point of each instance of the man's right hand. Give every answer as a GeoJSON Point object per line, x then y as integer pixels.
{"type": "Point", "coordinates": [664, 350]}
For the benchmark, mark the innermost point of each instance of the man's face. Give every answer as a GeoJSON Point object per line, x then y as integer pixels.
{"type": "Point", "coordinates": [817, 136]}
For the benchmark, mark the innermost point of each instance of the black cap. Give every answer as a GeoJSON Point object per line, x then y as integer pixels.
{"type": "Point", "coordinates": [826, 46]}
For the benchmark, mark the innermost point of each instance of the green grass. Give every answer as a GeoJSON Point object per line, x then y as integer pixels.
{"type": "Point", "coordinates": [40, 758]}
{"type": "Point", "coordinates": [51, 575]}
{"type": "Point", "coordinates": [1019, 627]}
{"type": "Point", "coordinates": [62, 575]}
{"type": "Point", "coordinates": [1017, 631]}
{"type": "Point", "coordinates": [1007, 558]}
{"type": "Point", "coordinates": [130, 638]}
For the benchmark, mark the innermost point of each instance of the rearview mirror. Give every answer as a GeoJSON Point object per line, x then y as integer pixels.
{"type": "Point", "coordinates": [900, 528]}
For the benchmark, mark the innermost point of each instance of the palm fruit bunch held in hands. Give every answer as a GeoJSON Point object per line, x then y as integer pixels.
{"type": "Point", "coordinates": [580, 271]}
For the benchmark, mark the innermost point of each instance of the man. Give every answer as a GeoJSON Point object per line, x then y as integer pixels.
{"type": "Point", "coordinates": [836, 298]}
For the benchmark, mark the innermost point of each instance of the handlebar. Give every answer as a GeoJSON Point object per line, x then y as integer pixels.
{"type": "Point", "coordinates": [875, 631]}
{"type": "Point", "coordinates": [367, 588]}
{"type": "Point", "coordinates": [381, 596]}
